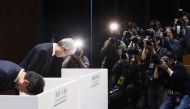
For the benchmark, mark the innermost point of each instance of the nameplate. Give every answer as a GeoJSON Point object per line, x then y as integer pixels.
{"type": "Point", "coordinates": [60, 96]}
{"type": "Point", "coordinates": [95, 80]}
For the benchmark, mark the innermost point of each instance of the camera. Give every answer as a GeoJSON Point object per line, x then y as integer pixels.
{"type": "Point", "coordinates": [113, 40]}
{"type": "Point", "coordinates": [78, 52]}
{"type": "Point", "coordinates": [135, 39]}
{"type": "Point", "coordinates": [165, 59]}
{"type": "Point", "coordinates": [179, 22]}
{"type": "Point", "coordinates": [165, 34]}
{"type": "Point", "coordinates": [156, 61]}
{"type": "Point", "coordinates": [132, 51]}
{"type": "Point", "coordinates": [124, 56]}
{"type": "Point", "coordinates": [150, 32]}
{"type": "Point", "coordinates": [149, 43]}
{"type": "Point", "coordinates": [135, 51]}
{"type": "Point", "coordinates": [127, 34]}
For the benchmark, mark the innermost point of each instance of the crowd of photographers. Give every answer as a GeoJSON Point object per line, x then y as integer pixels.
{"type": "Point", "coordinates": [145, 68]}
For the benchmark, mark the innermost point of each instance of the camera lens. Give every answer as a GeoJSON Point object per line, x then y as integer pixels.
{"type": "Point", "coordinates": [78, 52]}
{"type": "Point", "coordinates": [165, 34]}
{"type": "Point", "coordinates": [112, 40]}
{"type": "Point", "coordinates": [135, 39]}
{"type": "Point", "coordinates": [149, 43]}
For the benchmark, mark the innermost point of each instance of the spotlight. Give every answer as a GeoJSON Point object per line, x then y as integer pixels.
{"type": "Point", "coordinates": [78, 43]}
{"type": "Point", "coordinates": [114, 26]}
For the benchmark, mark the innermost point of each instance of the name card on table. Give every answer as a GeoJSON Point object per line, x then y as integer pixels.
{"type": "Point", "coordinates": [60, 96]}
{"type": "Point", "coordinates": [95, 80]}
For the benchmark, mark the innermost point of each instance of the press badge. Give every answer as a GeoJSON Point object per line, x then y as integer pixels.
{"type": "Point", "coordinates": [151, 65]}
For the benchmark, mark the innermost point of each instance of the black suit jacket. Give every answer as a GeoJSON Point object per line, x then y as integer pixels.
{"type": "Point", "coordinates": [180, 79]}
{"type": "Point", "coordinates": [40, 60]}
{"type": "Point", "coordinates": [185, 42]}
{"type": "Point", "coordinates": [8, 73]}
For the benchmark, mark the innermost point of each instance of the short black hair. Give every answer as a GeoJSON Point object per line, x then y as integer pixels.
{"type": "Point", "coordinates": [36, 83]}
{"type": "Point", "coordinates": [185, 14]}
{"type": "Point", "coordinates": [169, 54]}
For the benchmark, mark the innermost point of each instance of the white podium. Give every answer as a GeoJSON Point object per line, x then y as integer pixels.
{"type": "Point", "coordinates": [92, 87]}
{"type": "Point", "coordinates": [58, 94]}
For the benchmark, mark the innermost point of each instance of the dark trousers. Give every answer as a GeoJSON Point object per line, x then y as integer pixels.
{"type": "Point", "coordinates": [156, 95]}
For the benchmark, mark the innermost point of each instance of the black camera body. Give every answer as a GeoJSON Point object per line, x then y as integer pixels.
{"type": "Point", "coordinates": [150, 32]}
{"type": "Point", "coordinates": [124, 56]}
{"type": "Point", "coordinates": [78, 52]}
{"type": "Point", "coordinates": [128, 34]}
{"type": "Point", "coordinates": [179, 22]}
{"type": "Point", "coordinates": [132, 51]}
{"type": "Point", "coordinates": [149, 43]}
{"type": "Point", "coordinates": [165, 34]}
{"type": "Point", "coordinates": [114, 40]}
{"type": "Point", "coordinates": [152, 65]}
{"type": "Point", "coordinates": [135, 39]}
{"type": "Point", "coordinates": [165, 59]}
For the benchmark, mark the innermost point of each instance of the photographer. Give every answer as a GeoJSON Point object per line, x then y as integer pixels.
{"type": "Point", "coordinates": [116, 94]}
{"type": "Point", "coordinates": [171, 43]}
{"type": "Point", "coordinates": [181, 23]}
{"type": "Point", "coordinates": [178, 84]}
{"type": "Point", "coordinates": [78, 60]}
{"type": "Point", "coordinates": [133, 48]}
{"type": "Point", "coordinates": [128, 83]}
{"type": "Point", "coordinates": [185, 42]}
{"type": "Point", "coordinates": [154, 82]}
{"type": "Point", "coordinates": [126, 38]}
{"type": "Point", "coordinates": [156, 26]}
{"type": "Point", "coordinates": [111, 53]}
{"type": "Point", "coordinates": [150, 35]}
{"type": "Point", "coordinates": [131, 27]}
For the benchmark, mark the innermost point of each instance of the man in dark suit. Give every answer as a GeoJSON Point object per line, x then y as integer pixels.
{"type": "Point", "coordinates": [14, 78]}
{"type": "Point", "coordinates": [178, 82]}
{"type": "Point", "coordinates": [184, 33]}
{"type": "Point", "coordinates": [46, 58]}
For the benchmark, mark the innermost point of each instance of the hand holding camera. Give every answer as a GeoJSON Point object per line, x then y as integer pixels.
{"type": "Point", "coordinates": [135, 39]}
{"type": "Point", "coordinates": [148, 43]}
{"type": "Point", "coordinates": [164, 66]}
{"type": "Point", "coordinates": [111, 42]}
{"type": "Point", "coordinates": [78, 54]}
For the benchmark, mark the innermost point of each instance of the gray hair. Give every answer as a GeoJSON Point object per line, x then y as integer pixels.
{"type": "Point", "coordinates": [67, 43]}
